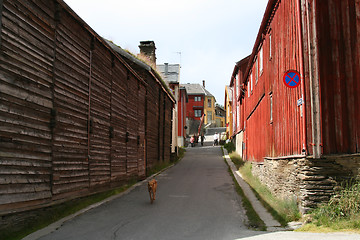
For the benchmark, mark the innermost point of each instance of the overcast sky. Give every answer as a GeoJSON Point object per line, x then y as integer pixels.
{"type": "Point", "coordinates": [211, 35]}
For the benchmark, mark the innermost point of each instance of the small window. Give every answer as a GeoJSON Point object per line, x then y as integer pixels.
{"type": "Point", "coordinates": [248, 88]}
{"type": "Point", "coordinates": [209, 102]}
{"type": "Point", "coordinates": [271, 108]}
{"type": "Point", "coordinates": [261, 60]}
{"type": "Point", "coordinates": [197, 99]}
{"type": "Point", "coordinates": [238, 115]}
{"type": "Point", "coordinates": [256, 71]}
{"type": "Point", "coordinates": [197, 113]}
{"type": "Point", "coordinates": [270, 48]}
{"type": "Point", "coordinates": [251, 83]}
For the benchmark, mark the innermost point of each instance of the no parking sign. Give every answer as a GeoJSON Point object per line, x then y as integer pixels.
{"type": "Point", "coordinates": [292, 79]}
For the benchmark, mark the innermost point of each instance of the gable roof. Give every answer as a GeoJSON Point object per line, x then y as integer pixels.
{"type": "Point", "coordinates": [133, 60]}
{"type": "Point", "coordinates": [196, 89]}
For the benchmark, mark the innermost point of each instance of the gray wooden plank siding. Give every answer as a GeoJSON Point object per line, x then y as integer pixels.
{"type": "Point", "coordinates": [75, 118]}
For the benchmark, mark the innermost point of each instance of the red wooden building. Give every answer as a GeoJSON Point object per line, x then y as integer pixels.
{"type": "Point", "coordinates": [303, 137]}
{"type": "Point", "coordinates": [195, 104]}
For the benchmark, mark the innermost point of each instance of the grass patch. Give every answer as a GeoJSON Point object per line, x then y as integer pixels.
{"type": "Point", "coordinates": [341, 213]}
{"type": "Point", "coordinates": [283, 210]}
{"type": "Point", "coordinates": [230, 147]}
{"type": "Point", "coordinates": [254, 221]}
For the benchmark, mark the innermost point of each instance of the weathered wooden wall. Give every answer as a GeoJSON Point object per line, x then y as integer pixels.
{"type": "Point", "coordinates": [75, 118]}
{"type": "Point", "coordinates": [338, 34]}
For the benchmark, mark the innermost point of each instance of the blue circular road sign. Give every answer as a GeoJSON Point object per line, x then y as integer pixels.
{"type": "Point", "coordinates": [292, 79]}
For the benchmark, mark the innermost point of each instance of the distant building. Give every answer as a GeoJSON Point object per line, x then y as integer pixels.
{"type": "Point", "coordinates": [219, 116]}
{"type": "Point", "coordinates": [228, 111]}
{"type": "Point", "coordinates": [200, 108]}
{"type": "Point", "coordinates": [209, 108]}
{"type": "Point", "coordinates": [171, 74]}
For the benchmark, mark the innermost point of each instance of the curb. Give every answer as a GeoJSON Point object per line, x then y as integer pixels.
{"type": "Point", "coordinates": [270, 223]}
{"type": "Point", "coordinates": [54, 226]}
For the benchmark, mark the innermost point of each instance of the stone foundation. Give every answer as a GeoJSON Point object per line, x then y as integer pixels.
{"type": "Point", "coordinates": [310, 181]}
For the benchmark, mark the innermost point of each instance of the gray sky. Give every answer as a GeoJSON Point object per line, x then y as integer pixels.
{"type": "Point", "coordinates": [212, 35]}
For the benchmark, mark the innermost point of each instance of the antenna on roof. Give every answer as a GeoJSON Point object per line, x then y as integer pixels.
{"type": "Point", "coordinates": [179, 56]}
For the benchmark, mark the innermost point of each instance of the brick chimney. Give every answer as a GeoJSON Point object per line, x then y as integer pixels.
{"type": "Point", "coordinates": [204, 83]}
{"type": "Point", "coordinates": [147, 48]}
{"type": "Point", "coordinates": [166, 68]}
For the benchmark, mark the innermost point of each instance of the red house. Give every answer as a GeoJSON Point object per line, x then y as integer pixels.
{"type": "Point", "coordinates": [301, 130]}
{"type": "Point", "coordinates": [195, 105]}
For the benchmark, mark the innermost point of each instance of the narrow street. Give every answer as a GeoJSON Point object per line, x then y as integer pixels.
{"type": "Point", "coordinates": [195, 200]}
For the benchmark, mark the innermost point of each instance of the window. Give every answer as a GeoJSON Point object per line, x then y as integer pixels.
{"type": "Point", "coordinates": [197, 99]}
{"type": "Point", "coordinates": [256, 71]}
{"type": "Point", "coordinates": [209, 116]}
{"type": "Point", "coordinates": [197, 113]}
{"type": "Point", "coordinates": [270, 53]}
{"type": "Point", "coordinates": [261, 60]}
{"type": "Point", "coordinates": [209, 102]}
{"type": "Point", "coordinates": [251, 83]}
{"type": "Point", "coordinates": [248, 88]}
{"type": "Point", "coordinates": [238, 115]}
{"type": "Point", "coordinates": [271, 108]}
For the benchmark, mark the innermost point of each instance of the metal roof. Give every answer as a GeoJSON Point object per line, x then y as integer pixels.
{"type": "Point", "coordinates": [170, 72]}
{"type": "Point", "coordinates": [196, 89]}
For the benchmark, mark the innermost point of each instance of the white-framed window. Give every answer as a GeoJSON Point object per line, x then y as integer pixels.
{"type": "Point", "coordinates": [271, 108]}
{"type": "Point", "coordinates": [251, 83]}
{"type": "Point", "coordinates": [238, 115]}
{"type": "Point", "coordinates": [248, 88]}
{"type": "Point", "coordinates": [270, 45]}
{"type": "Point", "coordinates": [260, 60]}
{"type": "Point", "coordinates": [256, 70]}
{"type": "Point", "coordinates": [197, 99]}
{"type": "Point", "coordinates": [209, 103]}
{"type": "Point", "coordinates": [197, 113]}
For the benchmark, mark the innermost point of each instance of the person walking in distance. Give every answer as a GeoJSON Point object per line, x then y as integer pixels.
{"type": "Point", "coordinates": [216, 139]}
{"type": "Point", "coordinates": [192, 141]}
{"type": "Point", "coordinates": [202, 139]}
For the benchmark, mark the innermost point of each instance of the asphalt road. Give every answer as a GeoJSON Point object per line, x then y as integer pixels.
{"type": "Point", "coordinates": [196, 199]}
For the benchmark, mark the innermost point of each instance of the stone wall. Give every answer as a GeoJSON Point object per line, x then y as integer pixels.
{"type": "Point", "coordinates": [310, 181]}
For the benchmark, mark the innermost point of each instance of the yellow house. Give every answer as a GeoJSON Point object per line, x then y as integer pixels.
{"type": "Point", "coordinates": [228, 110]}
{"type": "Point", "coordinates": [219, 116]}
{"type": "Point", "coordinates": [209, 107]}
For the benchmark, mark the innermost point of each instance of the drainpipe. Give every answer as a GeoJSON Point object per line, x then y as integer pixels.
{"type": "Point", "coordinates": [315, 93]}
{"type": "Point", "coordinates": [301, 59]}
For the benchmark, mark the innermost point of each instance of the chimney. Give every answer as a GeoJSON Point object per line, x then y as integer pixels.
{"type": "Point", "coordinates": [204, 83]}
{"type": "Point", "coordinates": [166, 68]}
{"type": "Point", "coordinates": [147, 48]}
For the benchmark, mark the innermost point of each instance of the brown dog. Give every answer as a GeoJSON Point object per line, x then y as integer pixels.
{"type": "Point", "coordinates": [152, 185]}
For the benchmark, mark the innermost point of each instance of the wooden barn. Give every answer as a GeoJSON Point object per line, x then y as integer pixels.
{"type": "Point", "coordinates": [303, 136]}
{"type": "Point", "coordinates": [75, 117]}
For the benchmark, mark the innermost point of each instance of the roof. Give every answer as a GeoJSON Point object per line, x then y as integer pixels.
{"type": "Point", "coordinates": [141, 64]}
{"type": "Point", "coordinates": [170, 72]}
{"type": "Point", "coordinates": [267, 18]}
{"type": "Point", "coordinates": [196, 89]}
{"type": "Point", "coordinates": [127, 55]}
